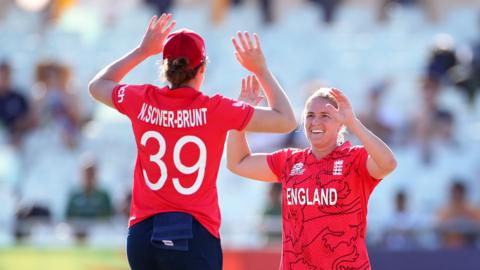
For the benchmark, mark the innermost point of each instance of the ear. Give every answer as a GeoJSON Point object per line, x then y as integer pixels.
{"type": "Point", "coordinates": [202, 69]}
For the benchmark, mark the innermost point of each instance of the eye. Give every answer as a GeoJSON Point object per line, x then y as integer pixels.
{"type": "Point", "coordinates": [309, 115]}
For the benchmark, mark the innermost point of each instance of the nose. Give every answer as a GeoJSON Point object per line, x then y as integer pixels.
{"type": "Point", "coordinates": [316, 120]}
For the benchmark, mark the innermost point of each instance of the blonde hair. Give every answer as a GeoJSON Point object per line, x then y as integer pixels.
{"type": "Point", "coordinates": [324, 93]}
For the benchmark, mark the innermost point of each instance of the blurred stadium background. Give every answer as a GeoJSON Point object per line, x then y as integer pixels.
{"type": "Point", "coordinates": [410, 67]}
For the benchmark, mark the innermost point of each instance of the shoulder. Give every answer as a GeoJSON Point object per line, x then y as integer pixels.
{"type": "Point", "coordinates": [350, 150]}
{"type": "Point", "coordinates": [291, 153]}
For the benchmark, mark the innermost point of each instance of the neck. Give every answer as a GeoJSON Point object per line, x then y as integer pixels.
{"type": "Point", "coordinates": [321, 152]}
{"type": "Point", "coordinates": [194, 83]}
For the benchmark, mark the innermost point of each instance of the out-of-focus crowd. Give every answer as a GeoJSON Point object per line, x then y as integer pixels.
{"type": "Point", "coordinates": [55, 105]}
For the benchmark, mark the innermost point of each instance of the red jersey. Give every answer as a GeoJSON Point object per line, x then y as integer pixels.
{"type": "Point", "coordinates": [180, 136]}
{"type": "Point", "coordinates": [324, 207]}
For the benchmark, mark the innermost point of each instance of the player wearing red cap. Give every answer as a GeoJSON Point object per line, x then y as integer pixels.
{"type": "Point", "coordinates": [325, 188]}
{"type": "Point", "coordinates": [180, 134]}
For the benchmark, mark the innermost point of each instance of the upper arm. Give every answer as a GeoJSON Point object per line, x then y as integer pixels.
{"type": "Point", "coordinates": [101, 90]}
{"type": "Point", "coordinates": [374, 170]}
{"type": "Point", "coordinates": [268, 120]}
{"type": "Point", "coordinates": [255, 166]}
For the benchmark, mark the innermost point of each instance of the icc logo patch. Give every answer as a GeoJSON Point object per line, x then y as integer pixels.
{"type": "Point", "coordinates": [297, 169]}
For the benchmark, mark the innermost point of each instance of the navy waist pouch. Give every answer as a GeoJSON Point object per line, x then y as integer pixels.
{"type": "Point", "coordinates": [172, 230]}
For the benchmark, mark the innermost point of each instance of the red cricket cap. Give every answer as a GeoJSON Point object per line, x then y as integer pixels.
{"type": "Point", "coordinates": [185, 43]}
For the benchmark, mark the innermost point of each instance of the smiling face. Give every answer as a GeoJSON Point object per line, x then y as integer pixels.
{"type": "Point", "coordinates": [320, 127]}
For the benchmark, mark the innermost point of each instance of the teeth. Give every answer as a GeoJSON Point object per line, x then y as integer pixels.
{"type": "Point", "coordinates": [317, 131]}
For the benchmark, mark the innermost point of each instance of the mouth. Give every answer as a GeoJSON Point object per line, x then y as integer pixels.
{"type": "Point", "coordinates": [317, 131]}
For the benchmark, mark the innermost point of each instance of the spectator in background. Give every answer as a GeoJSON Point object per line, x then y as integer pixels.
{"type": "Point", "coordinates": [452, 68]}
{"type": "Point", "coordinates": [458, 221]}
{"type": "Point", "coordinates": [29, 216]}
{"type": "Point", "coordinates": [467, 77]}
{"type": "Point", "coordinates": [220, 7]}
{"type": "Point", "coordinates": [375, 117]}
{"type": "Point", "coordinates": [14, 107]}
{"type": "Point", "coordinates": [126, 204]}
{"type": "Point", "coordinates": [160, 6]}
{"type": "Point", "coordinates": [442, 58]}
{"type": "Point", "coordinates": [5, 6]}
{"type": "Point", "coordinates": [266, 7]}
{"type": "Point", "coordinates": [272, 216]}
{"type": "Point", "coordinates": [431, 125]}
{"type": "Point", "coordinates": [400, 231]}
{"type": "Point", "coordinates": [387, 5]}
{"type": "Point", "coordinates": [55, 103]}
{"type": "Point", "coordinates": [88, 204]}
{"type": "Point", "coordinates": [328, 9]}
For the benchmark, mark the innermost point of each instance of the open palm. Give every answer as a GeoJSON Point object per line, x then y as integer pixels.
{"type": "Point", "coordinates": [250, 92]}
{"type": "Point", "coordinates": [344, 113]}
{"type": "Point", "coordinates": [157, 32]}
{"type": "Point", "coordinates": [248, 54]}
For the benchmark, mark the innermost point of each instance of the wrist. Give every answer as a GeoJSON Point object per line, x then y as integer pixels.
{"type": "Point", "coordinates": [262, 71]}
{"type": "Point", "coordinates": [141, 52]}
{"type": "Point", "coordinates": [353, 123]}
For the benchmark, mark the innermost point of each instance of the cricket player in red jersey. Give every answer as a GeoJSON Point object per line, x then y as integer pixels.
{"type": "Point", "coordinates": [180, 134]}
{"type": "Point", "coordinates": [325, 188]}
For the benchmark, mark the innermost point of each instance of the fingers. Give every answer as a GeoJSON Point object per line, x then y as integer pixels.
{"type": "Point", "coordinates": [243, 41]}
{"type": "Point", "coordinates": [257, 41]}
{"type": "Point", "coordinates": [237, 47]}
{"type": "Point", "coordinates": [244, 85]}
{"type": "Point", "coordinates": [170, 27]}
{"type": "Point", "coordinates": [166, 23]}
{"type": "Point", "coordinates": [152, 23]}
{"type": "Point", "coordinates": [331, 109]}
{"type": "Point", "coordinates": [161, 21]}
{"type": "Point", "coordinates": [256, 84]}
{"type": "Point", "coordinates": [163, 24]}
{"type": "Point", "coordinates": [248, 40]}
{"type": "Point", "coordinates": [250, 83]}
{"type": "Point", "coordinates": [239, 59]}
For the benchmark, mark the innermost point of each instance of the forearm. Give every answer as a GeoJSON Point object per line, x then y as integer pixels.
{"type": "Point", "coordinates": [276, 97]}
{"type": "Point", "coordinates": [237, 149]}
{"type": "Point", "coordinates": [117, 70]}
{"type": "Point", "coordinates": [376, 148]}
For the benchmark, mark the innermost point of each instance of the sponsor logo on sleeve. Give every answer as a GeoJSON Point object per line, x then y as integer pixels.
{"type": "Point", "coordinates": [121, 94]}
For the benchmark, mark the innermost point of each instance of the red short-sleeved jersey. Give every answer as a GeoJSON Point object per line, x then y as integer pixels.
{"type": "Point", "coordinates": [180, 136]}
{"type": "Point", "coordinates": [324, 207]}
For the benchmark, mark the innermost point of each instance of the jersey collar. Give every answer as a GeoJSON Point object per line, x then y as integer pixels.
{"type": "Point", "coordinates": [311, 157]}
{"type": "Point", "coordinates": [180, 92]}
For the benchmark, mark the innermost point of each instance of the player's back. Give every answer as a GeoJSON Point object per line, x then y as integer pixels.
{"type": "Point", "coordinates": [180, 136]}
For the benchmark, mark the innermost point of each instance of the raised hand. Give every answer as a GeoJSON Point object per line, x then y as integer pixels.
{"type": "Point", "coordinates": [157, 32]}
{"type": "Point", "coordinates": [250, 92]}
{"type": "Point", "coordinates": [344, 113]}
{"type": "Point", "coordinates": [249, 55]}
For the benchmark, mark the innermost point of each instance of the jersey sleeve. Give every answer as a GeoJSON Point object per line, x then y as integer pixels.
{"type": "Point", "coordinates": [128, 98]}
{"type": "Point", "coordinates": [277, 162]}
{"type": "Point", "coordinates": [232, 114]}
{"type": "Point", "coordinates": [361, 164]}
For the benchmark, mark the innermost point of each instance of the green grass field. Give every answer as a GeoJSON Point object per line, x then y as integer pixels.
{"type": "Point", "coordinates": [28, 258]}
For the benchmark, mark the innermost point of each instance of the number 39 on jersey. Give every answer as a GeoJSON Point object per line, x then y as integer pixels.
{"type": "Point", "coordinates": [157, 159]}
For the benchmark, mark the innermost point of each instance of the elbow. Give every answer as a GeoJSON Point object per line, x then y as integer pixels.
{"type": "Point", "coordinates": [92, 88]}
{"type": "Point", "coordinates": [232, 166]}
{"type": "Point", "coordinates": [291, 124]}
{"type": "Point", "coordinates": [391, 165]}
{"type": "Point", "coordinates": [288, 124]}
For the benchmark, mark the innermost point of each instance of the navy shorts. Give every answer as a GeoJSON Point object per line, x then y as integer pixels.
{"type": "Point", "coordinates": [202, 251]}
